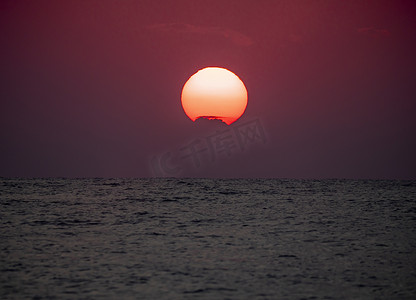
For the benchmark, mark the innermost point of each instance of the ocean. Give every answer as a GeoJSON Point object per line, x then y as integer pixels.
{"type": "Point", "coordinates": [169, 238]}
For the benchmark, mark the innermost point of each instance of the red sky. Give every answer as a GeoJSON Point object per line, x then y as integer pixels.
{"type": "Point", "coordinates": [92, 88]}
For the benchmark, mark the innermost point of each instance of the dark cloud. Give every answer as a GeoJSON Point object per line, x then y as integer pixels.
{"type": "Point", "coordinates": [374, 32]}
{"type": "Point", "coordinates": [235, 36]}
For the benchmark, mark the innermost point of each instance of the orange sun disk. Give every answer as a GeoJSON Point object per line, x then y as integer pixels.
{"type": "Point", "coordinates": [214, 93]}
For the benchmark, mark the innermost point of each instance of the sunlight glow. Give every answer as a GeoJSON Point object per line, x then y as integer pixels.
{"type": "Point", "coordinates": [214, 93]}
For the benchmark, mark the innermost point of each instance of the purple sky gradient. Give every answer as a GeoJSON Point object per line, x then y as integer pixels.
{"type": "Point", "coordinates": [92, 88]}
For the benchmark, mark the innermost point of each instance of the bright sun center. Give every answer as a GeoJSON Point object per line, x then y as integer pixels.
{"type": "Point", "coordinates": [214, 93]}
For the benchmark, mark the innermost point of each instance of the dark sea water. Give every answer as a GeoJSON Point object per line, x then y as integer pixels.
{"type": "Point", "coordinates": [207, 239]}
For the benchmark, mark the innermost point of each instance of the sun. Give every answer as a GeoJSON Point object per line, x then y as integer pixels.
{"type": "Point", "coordinates": [214, 93]}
